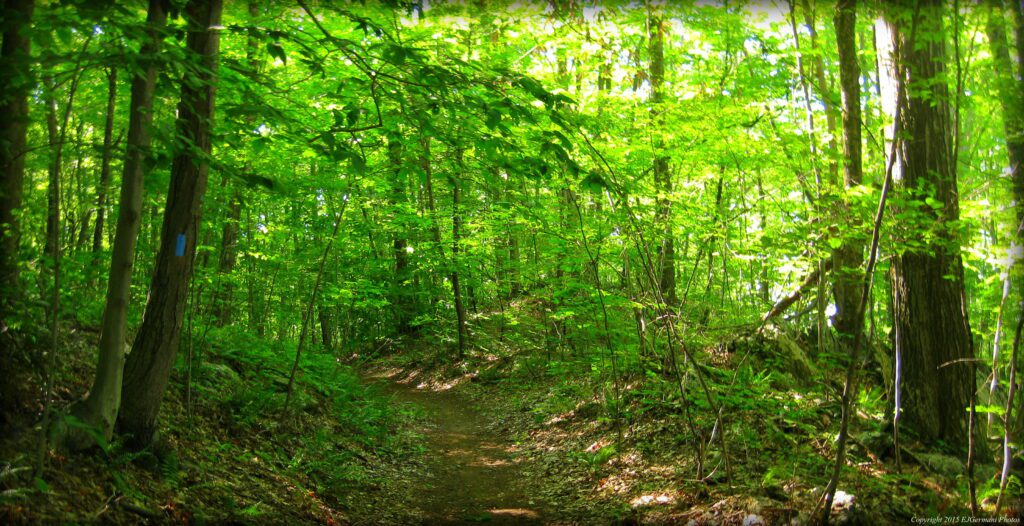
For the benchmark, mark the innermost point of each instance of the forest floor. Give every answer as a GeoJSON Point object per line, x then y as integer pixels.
{"type": "Point", "coordinates": [471, 473]}
{"type": "Point", "coordinates": [554, 435]}
{"type": "Point", "coordinates": [415, 437]}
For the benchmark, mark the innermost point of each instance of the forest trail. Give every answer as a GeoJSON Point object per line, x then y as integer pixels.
{"type": "Point", "coordinates": [472, 476]}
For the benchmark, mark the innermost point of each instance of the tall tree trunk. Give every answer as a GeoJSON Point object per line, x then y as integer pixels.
{"type": "Point", "coordinates": [229, 234]}
{"type": "Point", "coordinates": [15, 85]}
{"type": "Point", "coordinates": [108, 150]}
{"type": "Point", "coordinates": [512, 242]}
{"type": "Point", "coordinates": [326, 327]}
{"type": "Point", "coordinates": [929, 308]}
{"type": "Point", "coordinates": [57, 134]}
{"type": "Point", "coordinates": [763, 278]}
{"type": "Point", "coordinates": [435, 227]}
{"type": "Point", "coordinates": [1012, 101]}
{"type": "Point", "coordinates": [228, 258]}
{"type": "Point", "coordinates": [662, 176]}
{"type": "Point", "coordinates": [822, 87]}
{"type": "Point", "coordinates": [53, 171]}
{"type": "Point", "coordinates": [848, 257]}
{"type": "Point", "coordinates": [149, 365]}
{"type": "Point", "coordinates": [307, 313]}
{"type": "Point", "coordinates": [100, 406]}
{"type": "Point", "coordinates": [716, 229]}
{"type": "Point", "coordinates": [460, 308]}
{"type": "Point", "coordinates": [1010, 96]}
{"type": "Point", "coordinates": [399, 292]}
{"type": "Point", "coordinates": [428, 189]}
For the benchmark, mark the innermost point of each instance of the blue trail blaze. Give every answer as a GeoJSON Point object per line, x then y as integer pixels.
{"type": "Point", "coordinates": [179, 250]}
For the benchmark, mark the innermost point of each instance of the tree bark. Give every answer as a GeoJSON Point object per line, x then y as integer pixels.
{"type": "Point", "coordinates": [53, 171]}
{"type": "Point", "coordinates": [435, 227]}
{"type": "Point", "coordinates": [1010, 97]}
{"type": "Point", "coordinates": [460, 308]}
{"type": "Point", "coordinates": [149, 365]}
{"type": "Point", "coordinates": [822, 87]}
{"type": "Point", "coordinates": [812, 279]}
{"type": "Point", "coordinates": [228, 258]}
{"type": "Point", "coordinates": [108, 150]}
{"type": "Point", "coordinates": [101, 405]}
{"type": "Point", "coordinates": [307, 313]}
{"type": "Point", "coordinates": [229, 233]}
{"type": "Point", "coordinates": [662, 177]}
{"type": "Point", "coordinates": [400, 296]}
{"type": "Point", "coordinates": [1012, 101]}
{"type": "Point", "coordinates": [326, 328]}
{"type": "Point", "coordinates": [848, 258]}
{"type": "Point", "coordinates": [15, 85]}
{"type": "Point", "coordinates": [929, 308]}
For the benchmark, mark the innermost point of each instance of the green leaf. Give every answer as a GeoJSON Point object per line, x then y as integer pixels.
{"type": "Point", "coordinates": [594, 182]}
{"type": "Point", "coordinates": [275, 50]}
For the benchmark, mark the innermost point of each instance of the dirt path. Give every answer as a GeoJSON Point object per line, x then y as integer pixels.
{"type": "Point", "coordinates": [472, 477]}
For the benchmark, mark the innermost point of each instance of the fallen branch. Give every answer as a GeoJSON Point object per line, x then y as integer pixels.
{"type": "Point", "coordinates": [793, 297]}
{"type": "Point", "coordinates": [139, 510]}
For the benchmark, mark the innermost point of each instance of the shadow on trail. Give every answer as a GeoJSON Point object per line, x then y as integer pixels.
{"type": "Point", "coordinates": [471, 476]}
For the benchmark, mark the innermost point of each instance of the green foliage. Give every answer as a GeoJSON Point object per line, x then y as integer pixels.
{"type": "Point", "coordinates": [574, 175]}
{"type": "Point", "coordinates": [12, 491]}
{"type": "Point", "coordinates": [170, 469]}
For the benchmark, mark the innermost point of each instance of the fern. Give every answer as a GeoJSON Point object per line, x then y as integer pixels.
{"type": "Point", "coordinates": [9, 476]}
{"type": "Point", "coordinates": [169, 468]}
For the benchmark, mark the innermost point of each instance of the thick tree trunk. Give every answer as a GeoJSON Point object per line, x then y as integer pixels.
{"type": "Point", "coordinates": [15, 85]}
{"type": "Point", "coordinates": [662, 176]}
{"type": "Point", "coordinates": [100, 406]}
{"type": "Point", "coordinates": [848, 258]}
{"type": "Point", "coordinates": [108, 150]}
{"type": "Point", "coordinates": [149, 365]}
{"type": "Point", "coordinates": [929, 309]}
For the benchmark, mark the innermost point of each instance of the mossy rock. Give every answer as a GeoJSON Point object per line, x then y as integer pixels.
{"type": "Point", "coordinates": [218, 374]}
{"type": "Point", "coordinates": [945, 465]}
{"type": "Point", "coordinates": [795, 360]}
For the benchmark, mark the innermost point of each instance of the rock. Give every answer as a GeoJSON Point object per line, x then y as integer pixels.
{"type": "Point", "coordinates": [796, 360]}
{"type": "Point", "coordinates": [217, 374]}
{"type": "Point", "coordinates": [753, 520]}
{"type": "Point", "coordinates": [775, 492]}
{"type": "Point", "coordinates": [875, 441]}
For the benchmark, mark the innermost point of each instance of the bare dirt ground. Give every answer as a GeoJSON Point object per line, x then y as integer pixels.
{"type": "Point", "coordinates": [472, 475]}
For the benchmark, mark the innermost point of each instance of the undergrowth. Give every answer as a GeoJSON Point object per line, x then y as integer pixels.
{"type": "Point", "coordinates": [227, 451]}
{"type": "Point", "coordinates": [635, 444]}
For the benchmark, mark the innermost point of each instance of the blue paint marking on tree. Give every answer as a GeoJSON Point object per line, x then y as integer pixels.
{"type": "Point", "coordinates": [179, 250]}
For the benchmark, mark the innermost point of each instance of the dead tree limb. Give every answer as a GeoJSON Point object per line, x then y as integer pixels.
{"type": "Point", "coordinates": [786, 302]}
